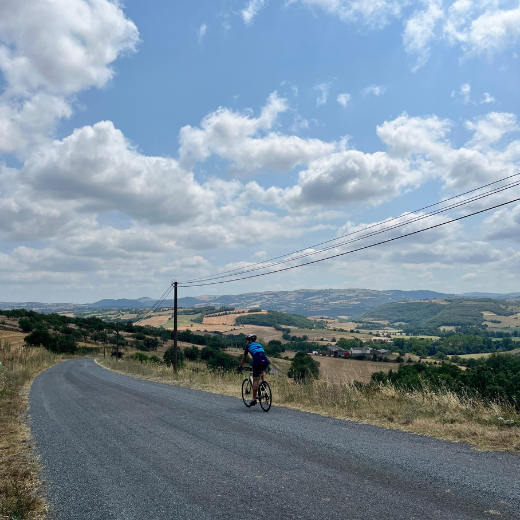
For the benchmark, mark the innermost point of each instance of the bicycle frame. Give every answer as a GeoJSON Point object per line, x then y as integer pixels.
{"type": "Point", "coordinates": [264, 395]}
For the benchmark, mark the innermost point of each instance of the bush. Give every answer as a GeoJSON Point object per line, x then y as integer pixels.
{"type": "Point", "coordinates": [139, 356]}
{"type": "Point", "coordinates": [221, 360]}
{"type": "Point", "coordinates": [304, 367]}
{"type": "Point", "coordinates": [191, 353]}
{"type": "Point", "coordinates": [274, 347]}
{"type": "Point", "coordinates": [39, 337]}
{"type": "Point", "coordinates": [208, 352]}
{"type": "Point", "coordinates": [168, 357]}
{"type": "Point", "coordinates": [26, 324]}
{"type": "Point", "coordinates": [57, 343]}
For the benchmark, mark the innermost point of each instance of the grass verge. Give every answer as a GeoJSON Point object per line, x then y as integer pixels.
{"type": "Point", "coordinates": [20, 493]}
{"type": "Point", "coordinates": [443, 415]}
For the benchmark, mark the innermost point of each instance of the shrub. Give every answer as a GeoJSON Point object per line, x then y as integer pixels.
{"type": "Point", "coordinates": [191, 353]}
{"type": "Point", "coordinates": [208, 352]}
{"type": "Point", "coordinates": [168, 357]}
{"type": "Point", "coordinates": [221, 360]}
{"type": "Point", "coordinates": [274, 347]}
{"type": "Point", "coordinates": [304, 367]}
{"type": "Point", "coordinates": [139, 356]}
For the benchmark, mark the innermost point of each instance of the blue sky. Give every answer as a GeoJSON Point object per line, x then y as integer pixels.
{"type": "Point", "coordinates": [145, 141]}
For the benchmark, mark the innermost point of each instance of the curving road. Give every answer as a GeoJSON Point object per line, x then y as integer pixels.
{"type": "Point", "coordinates": [118, 447]}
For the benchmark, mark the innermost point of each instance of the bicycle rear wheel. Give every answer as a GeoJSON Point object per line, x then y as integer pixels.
{"type": "Point", "coordinates": [265, 396]}
{"type": "Point", "coordinates": [247, 392]}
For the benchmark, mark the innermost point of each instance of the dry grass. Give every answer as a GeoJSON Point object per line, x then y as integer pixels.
{"type": "Point", "coordinates": [443, 415]}
{"type": "Point", "coordinates": [20, 495]}
{"type": "Point", "coordinates": [505, 321]}
{"type": "Point", "coordinates": [337, 370]}
{"type": "Point", "coordinates": [156, 321]}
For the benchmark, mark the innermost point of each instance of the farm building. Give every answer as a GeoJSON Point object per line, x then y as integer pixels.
{"type": "Point", "coordinates": [362, 351]}
{"type": "Point", "coordinates": [337, 351]}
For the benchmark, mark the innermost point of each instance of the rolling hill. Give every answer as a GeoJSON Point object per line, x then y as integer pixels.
{"type": "Point", "coordinates": [445, 312]}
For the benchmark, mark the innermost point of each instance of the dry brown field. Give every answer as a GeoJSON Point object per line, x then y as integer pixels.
{"type": "Point", "coordinates": [14, 338]}
{"type": "Point", "coordinates": [227, 319]}
{"type": "Point", "coordinates": [505, 321]}
{"type": "Point", "coordinates": [337, 370]}
{"type": "Point", "coordinates": [156, 321]}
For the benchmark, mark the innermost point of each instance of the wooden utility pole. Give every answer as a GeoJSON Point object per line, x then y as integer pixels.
{"type": "Point", "coordinates": [175, 326]}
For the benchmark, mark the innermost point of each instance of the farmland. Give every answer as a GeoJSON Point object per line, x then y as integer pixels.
{"type": "Point", "coordinates": [341, 371]}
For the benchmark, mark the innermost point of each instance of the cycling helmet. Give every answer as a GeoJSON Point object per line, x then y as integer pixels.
{"type": "Point", "coordinates": [252, 337]}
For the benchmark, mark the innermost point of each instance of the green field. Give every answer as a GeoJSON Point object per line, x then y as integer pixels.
{"type": "Point", "coordinates": [183, 319]}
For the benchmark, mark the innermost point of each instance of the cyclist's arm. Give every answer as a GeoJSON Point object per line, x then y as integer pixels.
{"type": "Point", "coordinates": [244, 357]}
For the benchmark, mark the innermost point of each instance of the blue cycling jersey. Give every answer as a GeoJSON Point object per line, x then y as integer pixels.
{"type": "Point", "coordinates": [255, 349]}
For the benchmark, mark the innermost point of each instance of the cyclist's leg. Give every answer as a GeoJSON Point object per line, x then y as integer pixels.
{"type": "Point", "coordinates": [255, 387]}
{"type": "Point", "coordinates": [263, 375]}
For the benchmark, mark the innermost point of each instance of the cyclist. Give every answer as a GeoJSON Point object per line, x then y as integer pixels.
{"type": "Point", "coordinates": [260, 362]}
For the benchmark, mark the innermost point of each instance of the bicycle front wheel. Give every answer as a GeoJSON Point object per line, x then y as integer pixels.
{"type": "Point", "coordinates": [265, 396]}
{"type": "Point", "coordinates": [247, 392]}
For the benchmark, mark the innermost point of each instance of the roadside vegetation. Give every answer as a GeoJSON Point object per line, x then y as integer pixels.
{"type": "Point", "coordinates": [20, 495]}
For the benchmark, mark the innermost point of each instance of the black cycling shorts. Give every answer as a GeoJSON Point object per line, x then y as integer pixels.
{"type": "Point", "coordinates": [259, 365]}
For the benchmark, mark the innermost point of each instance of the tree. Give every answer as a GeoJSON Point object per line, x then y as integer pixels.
{"type": "Point", "coordinates": [151, 343]}
{"type": "Point", "coordinates": [168, 357]}
{"type": "Point", "coordinates": [304, 367]}
{"type": "Point", "coordinates": [221, 360]}
{"type": "Point", "coordinates": [192, 353]}
{"type": "Point", "coordinates": [39, 337]}
{"type": "Point", "coordinates": [26, 324]}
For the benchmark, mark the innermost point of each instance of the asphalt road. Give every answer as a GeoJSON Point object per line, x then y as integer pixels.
{"type": "Point", "coordinates": [118, 447]}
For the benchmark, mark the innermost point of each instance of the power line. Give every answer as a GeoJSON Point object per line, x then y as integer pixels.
{"type": "Point", "coordinates": [355, 250]}
{"type": "Point", "coordinates": [264, 265]}
{"type": "Point", "coordinates": [157, 304]}
{"type": "Point", "coordinates": [269, 263]}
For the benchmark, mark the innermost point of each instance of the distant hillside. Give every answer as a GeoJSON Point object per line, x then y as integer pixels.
{"type": "Point", "coordinates": [311, 303]}
{"type": "Point", "coordinates": [446, 312]}
{"type": "Point", "coordinates": [314, 303]}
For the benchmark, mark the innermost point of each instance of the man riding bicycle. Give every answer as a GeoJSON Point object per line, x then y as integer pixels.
{"type": "Point", "coordinates": [260, 362]}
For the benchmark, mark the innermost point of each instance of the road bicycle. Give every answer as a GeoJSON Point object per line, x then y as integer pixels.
{"type": "Point", "coordinates": [264, 395]}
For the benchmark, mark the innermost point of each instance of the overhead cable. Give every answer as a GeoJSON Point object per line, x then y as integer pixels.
{"type": "Point", "coordinates": [268, 263]}
{"type": "Point", "coordinates": [306, 253]}
{"type": "Point", "coordinates": [355, 250]}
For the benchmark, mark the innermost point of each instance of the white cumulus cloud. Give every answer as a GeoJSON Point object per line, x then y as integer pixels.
{"type": "Point", "coordinates": [251, 10]}
{"type": "Point", "coordinates": [250, 143]}
{"type": "Point", "coordinates": [50, 51]}
{"type": "Point", "coordinates": [343, 99]}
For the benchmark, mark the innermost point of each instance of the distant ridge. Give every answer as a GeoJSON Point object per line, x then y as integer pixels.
{"type": "Point", "coordinates": [307, 302]}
